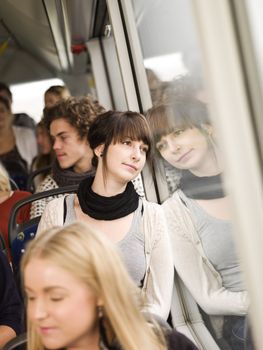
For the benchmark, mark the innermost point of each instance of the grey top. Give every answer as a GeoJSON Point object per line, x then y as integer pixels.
{"type": "Point", "coordinates": [218, 244]}
{"type": "Point", "coordinates": [131, 246]}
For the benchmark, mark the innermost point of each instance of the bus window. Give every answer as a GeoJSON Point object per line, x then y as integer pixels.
{"type": "Point", "coordinates": [188, 149]}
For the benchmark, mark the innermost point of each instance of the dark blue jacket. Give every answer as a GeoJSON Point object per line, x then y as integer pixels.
{"type": "Point", "coordinates": [11, 307]}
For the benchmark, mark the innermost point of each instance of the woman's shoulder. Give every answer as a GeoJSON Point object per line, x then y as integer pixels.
{"type": "Point", "coordinates": [56, 203]}
{"type": "Point", "coordinates": [152, 206]}
{"type": "Point", "coordinates": [21, 194]}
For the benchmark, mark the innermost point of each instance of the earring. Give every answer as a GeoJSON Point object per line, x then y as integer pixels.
{"type": "Point", "coordinates": [100, 311]}
{"type": "Point", "coordinates": [103, 342]}
{"type": "Point", "coordinates": [101, 155]}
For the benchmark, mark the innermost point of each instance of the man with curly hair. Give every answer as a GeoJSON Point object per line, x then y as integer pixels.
{"type": "Point", "coordinates": [68, 122]}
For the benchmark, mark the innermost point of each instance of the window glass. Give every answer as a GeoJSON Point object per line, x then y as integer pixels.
{"type": "Point", "coordinates": [187, 145]}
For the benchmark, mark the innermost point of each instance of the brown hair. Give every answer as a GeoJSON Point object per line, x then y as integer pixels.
{"type": "Point", "coordinates": [78, 112]}
{"type": "Point", "coordinates": [182, 113]}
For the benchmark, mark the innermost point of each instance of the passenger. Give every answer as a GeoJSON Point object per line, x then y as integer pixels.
{"type": "Point", "coordinates": [121, 142]}
{"type": "Point", "coordinates": [45, 155]}
{"type": "Point", "coordinates": [80, 296]}
{"type": "Point", "coordinates": [54, 94]}
{"type": "Point", "coordinates": [19, 119]}
{"type": "Point", "coordinates": [68, 123]}
{"type": "Point", "coordinates": [17, 145]}
{"type": "Point", "coordinates": [198, 215]}
{"type": "Point", "coordinates": [8, 199]}
{"type": "Point", "coordinates": [11, 307]}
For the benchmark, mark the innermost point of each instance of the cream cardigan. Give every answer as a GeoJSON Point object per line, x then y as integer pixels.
{"type": "Point", "coordinates": [158, 281]}
{"type": "Point", "coordinates": [192, 265]}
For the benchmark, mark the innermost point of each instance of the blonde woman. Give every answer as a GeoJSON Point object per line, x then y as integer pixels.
{"type": "Point", "coordinates": [80, 296]}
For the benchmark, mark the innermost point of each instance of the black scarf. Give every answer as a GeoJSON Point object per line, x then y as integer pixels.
{"type": "Point", "coordinates": [205, 187]}
{"type": "Point", "coordinates": [106, 208]}
{"type": "Point", "coordinates": [66, 177]}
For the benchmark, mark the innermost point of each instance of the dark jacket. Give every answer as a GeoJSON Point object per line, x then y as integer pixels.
{"type": "Point", "coordinates": [178, 341]}
{"type": "Point", "coordinates": [11, 307]}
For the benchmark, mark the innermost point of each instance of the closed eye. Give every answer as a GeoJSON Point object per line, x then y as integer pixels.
{"type": "Point", "coordinates": [30, 298]}
{"type": "Point", "coordinates": [56, 299]}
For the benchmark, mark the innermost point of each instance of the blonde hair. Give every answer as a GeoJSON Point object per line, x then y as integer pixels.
{"type": "Point", "coordinates": [4, 180]}
{"type": "Point", "coordinates": [89, 256]}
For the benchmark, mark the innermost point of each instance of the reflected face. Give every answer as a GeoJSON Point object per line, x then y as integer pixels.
{"type": "Point", "coordinates": [5, 116]}
{"type": "Point", "coordinates": [51, 99]}
{"type": "Point", "coordinates": [61, 308]}
{"type": "Point", "coordinates": [126, 159]}
{"type": "Point", "coordinates": [43, 140]}
{"type": "Point", "coordinates": [70, 149]}
{"type": "Point", "coordinates": [184, 148]}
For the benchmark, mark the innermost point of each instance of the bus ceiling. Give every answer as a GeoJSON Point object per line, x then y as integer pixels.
{"type": "Point", "coordinates": [43, 39]}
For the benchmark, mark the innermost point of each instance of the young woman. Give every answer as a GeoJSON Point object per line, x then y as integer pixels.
{"type": "Point", "coordinates": [17, 145]}
{"type": "Point", "coordinates": [68, 123]}
{"type": "Point", "coordinates": [121, 142]}
{"type": "Point", "coordinates": [79, 296]}
{"type": "Point", "coordinates": [53, 94]}
{"type": "Point", "coordinates": [45, 155]}
{"type": "Point", "coordinates": [198, 215]}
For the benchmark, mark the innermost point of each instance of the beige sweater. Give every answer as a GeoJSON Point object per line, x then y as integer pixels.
{"type": "Point", "coordinates": [192, 265]}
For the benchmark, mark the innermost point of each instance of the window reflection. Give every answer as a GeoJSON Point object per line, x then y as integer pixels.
{"type": "Point", "coordinates": [186, 143]}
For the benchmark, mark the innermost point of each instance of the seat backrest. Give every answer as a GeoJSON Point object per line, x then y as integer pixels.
{"type": "Point", "coordinates": [20, 234]}
{"type": "Point", "coordinates": [17, 343]}
{"type": "Point", "coordinates": [2, 244]}
{"type": "Point", "coordinates": [30, 181]}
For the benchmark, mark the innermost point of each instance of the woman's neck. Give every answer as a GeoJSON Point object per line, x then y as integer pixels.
{"type": "Point", "coordinates": [210, 166]}
{"type": "Point", "coordinates": [107, 187]}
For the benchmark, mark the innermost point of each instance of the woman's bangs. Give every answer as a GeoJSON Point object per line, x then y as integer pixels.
{"type": "Point", "coordinates": [133, 128]}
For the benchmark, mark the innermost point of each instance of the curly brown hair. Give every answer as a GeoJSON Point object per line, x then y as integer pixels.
{"type": "Point", "coordinates": [78, 112]}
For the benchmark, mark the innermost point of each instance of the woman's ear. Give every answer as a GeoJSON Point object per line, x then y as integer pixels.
{"type": "Point", "coordinates": [99, 150]}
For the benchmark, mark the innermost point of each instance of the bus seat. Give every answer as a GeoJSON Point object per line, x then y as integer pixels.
{"type": "Point", "coordinates": [30, 181]}
{"type": "Point", "coordinates": [2, 244]}
{"type": "Point", "coordinates": [20, 234]}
